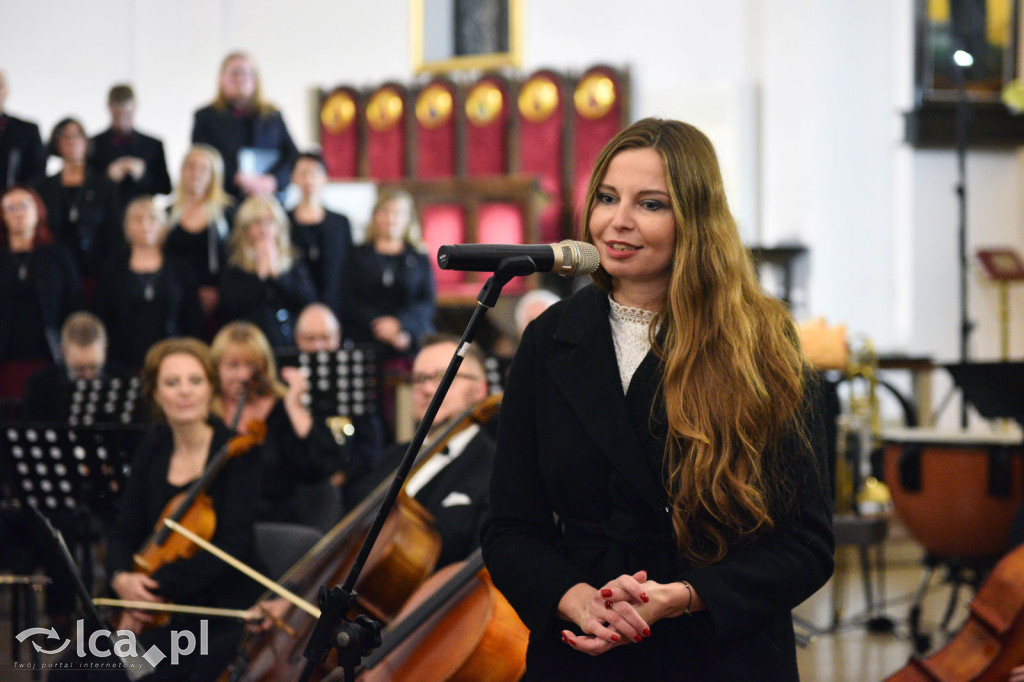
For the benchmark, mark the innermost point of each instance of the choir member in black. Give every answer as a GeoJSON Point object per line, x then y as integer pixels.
{"type": "Point", "coordinates": [40, 286]}
{"type": "Point", "coordinates": [659, 502]}
{"type": "Point", "coordinates": [83, 349]}
{"type": "Point", "coordinates": [178, 379]}
{"type": "Point", "coordinates": [264, 282]}
{"type": "Point", "coordinates": [200, 223]}
{"type": "Point", "coordinates": [390, 297]}
{"type": "Point", "coordinates": [144, 296]}
{"type": "Point", "coordinates": [297, 449]}
{"type": "Point", "coordinates": [247, 130]}
{"type": "Point", "coordinates": [82, 203]}
{"type": "Point", "coordinates": [22, 156]}
{"type": "Point", "coordinates": [322, 237]}
{"type": "Point", "coordinates": [133, 161]}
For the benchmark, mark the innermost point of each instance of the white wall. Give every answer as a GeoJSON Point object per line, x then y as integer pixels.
{"type": "Point", "coordinates": [803, 98]}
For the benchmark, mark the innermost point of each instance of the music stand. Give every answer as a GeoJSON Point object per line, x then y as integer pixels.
{"type": "Point", "coordinates": [108, 400]}
{"type": "Point", "coordinates": [70, 472]}
{"type": "Point", "coordinates": [341, 382]}
{"type": "Point", "coordinates": [996, 389]}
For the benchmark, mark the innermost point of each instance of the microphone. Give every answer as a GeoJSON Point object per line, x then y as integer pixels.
{"type": "Point", "coordinates": [566, 257]}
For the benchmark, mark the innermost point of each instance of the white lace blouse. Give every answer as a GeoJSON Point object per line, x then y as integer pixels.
{"type": "Point", "coordinates": [631, 335]}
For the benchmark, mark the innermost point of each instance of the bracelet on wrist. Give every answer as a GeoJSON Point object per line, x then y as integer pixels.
{"type": "Point", "coordinates": [689, 600]}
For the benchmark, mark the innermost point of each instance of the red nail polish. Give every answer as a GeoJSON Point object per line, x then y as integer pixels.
{"type": "Point", "coordinates": [606, 593]}
{"type": "Point", "coordinates": [647, 632]}
{"type": "Point", "coordinates": [615, 638]}
{"type": "Point", "coordinates": [564, 638]}
{"type": "Point", "coordinates": [638, 638]}
{"type": "Point", "coordinates": [644, 597]}
{"type": "Point", "coordinates": [607, 604]}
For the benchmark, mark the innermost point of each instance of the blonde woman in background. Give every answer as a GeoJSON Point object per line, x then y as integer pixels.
{"type": "Point", "coordinates": [299, 453]}
{"type": "Point", "coordinates": [200, 220]}
{"type": "Point", "coordinates": [264, 282]}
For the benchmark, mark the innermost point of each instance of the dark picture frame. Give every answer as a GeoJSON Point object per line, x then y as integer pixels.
{"type": "Point", "coordinates": [990, 31]}
{"type": "Point", "coordinates": [987, 29]}
{"type": "Point", "coordinates": [454, 35]}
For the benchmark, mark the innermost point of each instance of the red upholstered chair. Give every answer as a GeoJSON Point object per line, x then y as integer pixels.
{"type": "Point", "coordinates": [501, 224]}
{"type": "Point", "coordinates": [444, 224]}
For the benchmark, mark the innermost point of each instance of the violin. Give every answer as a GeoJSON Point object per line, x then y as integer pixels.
{"type": "Point", "coordinates": [193, 509]}
{"type": "Point", "coordinates": [991, 641]}
{"type": "Point", "coordinates": [402, 558]}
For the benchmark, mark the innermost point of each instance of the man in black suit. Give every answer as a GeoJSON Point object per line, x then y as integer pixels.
{"type": "Point", "coordinates": [83, 345]}
{"type": "Point", "coordinates": [452, 485]}
{"type": "Point", "coordinates": [133, 161]}
{"type": "Point", "coordinates": [22, 157]}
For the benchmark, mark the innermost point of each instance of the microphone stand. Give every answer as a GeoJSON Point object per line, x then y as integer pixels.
{"type": "Point", "coordinates": [962, 129]}
{"type": "Point", "coordinates": [355, 639]}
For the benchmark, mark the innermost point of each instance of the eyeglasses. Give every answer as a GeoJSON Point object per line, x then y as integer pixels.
{"type": "Point", "coordinates": [422, 378]}
{"type": "Point", "coordinates": [17, 207]}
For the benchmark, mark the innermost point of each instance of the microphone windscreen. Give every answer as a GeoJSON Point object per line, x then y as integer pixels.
{"type": "Point", "coordinates": [588, 258]}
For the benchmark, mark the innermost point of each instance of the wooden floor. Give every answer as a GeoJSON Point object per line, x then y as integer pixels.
{"type": "Point", "coordinates": [852, 652]}
{"type": "Point", "coordinates": [857, 652]}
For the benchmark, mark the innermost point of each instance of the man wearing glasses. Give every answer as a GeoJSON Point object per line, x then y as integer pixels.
{"type": "Point", "coordinates": [452, 485]}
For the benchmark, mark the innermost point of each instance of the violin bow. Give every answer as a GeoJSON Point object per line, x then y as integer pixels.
{"type": "Point", "coordinates": [263, 580]}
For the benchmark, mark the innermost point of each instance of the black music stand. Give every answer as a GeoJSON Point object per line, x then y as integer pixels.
{"type": "Point", "coordinates": [109, 400]}
{"type": "Point", "coordinates": [996, 389]}
{"type": "Point", "coordinates": [342, 382]}
{"type": "Point", "coordinates": [69, 473]}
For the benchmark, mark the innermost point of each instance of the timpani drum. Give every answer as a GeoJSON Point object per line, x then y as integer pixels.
{"type": "Point", "coordinates": [957, 492]}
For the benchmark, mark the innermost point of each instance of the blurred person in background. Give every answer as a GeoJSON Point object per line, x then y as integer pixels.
{"type": "Point", "coordinates": [133, 161]}
{"type": "Point", "coordinates": [143, 296]}
{"type": "Point", "coordinates": [323, 238]}
{"type": "Point", "coordinates": [248, 131]}
{"type": "Point", "coordinates": [22, 155]}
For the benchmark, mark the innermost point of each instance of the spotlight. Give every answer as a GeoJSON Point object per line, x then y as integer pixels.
{"type": "Point", "coordinates": [963, 58]}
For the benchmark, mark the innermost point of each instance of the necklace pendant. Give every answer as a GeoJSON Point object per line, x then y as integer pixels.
{"type": "Point", "coordinates": [148, 294]}
{"type": "Point", "coordinates": [22, 272]}
{"type": "Point", "coordinates": [387, 278]}
{"type": "Point", "coordinates": [73, 214]}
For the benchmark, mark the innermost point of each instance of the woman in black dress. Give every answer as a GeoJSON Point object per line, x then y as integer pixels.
{"type": "Point", "coordinates": [82, 203]}
{"type": "Point", "coordinates": [659, 500]}
{"type": "Point", "coordinates": [299, 453]}
{"type": "Point", "coordinates": [265, 283]}
{"type": "Point", "coordinates": [178, 380]}
{"type": "Point", "coordinates": [391, 299]}
{"type": "Point", "coordinates": [323, 238]}
{"type": "Point", "coordinates": [142, 296]}
{"type": "Point", "coordinates": [200, 222]}
{"type": "Point", "coordinates": [40, 286]}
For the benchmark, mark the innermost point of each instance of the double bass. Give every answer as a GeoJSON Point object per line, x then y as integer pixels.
{"type": "Point", "coordinates": [990, 643]}
{"type": "Point", "coordinates": [402, 558]}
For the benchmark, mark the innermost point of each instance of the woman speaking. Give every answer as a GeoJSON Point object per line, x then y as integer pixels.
{"type": "Point", "coordinates": [657, 503]}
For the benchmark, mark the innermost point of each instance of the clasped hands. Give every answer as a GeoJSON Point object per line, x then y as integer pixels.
{"type": "Point", "coordinates": [622, 611]}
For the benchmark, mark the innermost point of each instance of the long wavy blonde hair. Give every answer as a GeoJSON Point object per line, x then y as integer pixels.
{"type": "Point", "coordinates": [733, 372]}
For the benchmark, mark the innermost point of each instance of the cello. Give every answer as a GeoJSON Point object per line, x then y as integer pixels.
{"type": "Point", "coordinates": [403, 557]}
{"type": "Point", "coordinates": [456, 628]}
{"type": "Point", "coordinates": [991, 641]}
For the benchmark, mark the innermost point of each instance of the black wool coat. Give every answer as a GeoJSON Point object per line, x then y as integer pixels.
{"type": "Point", "coordinates": [577, 496]}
